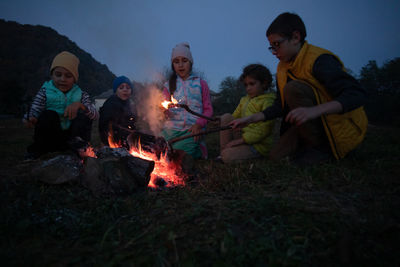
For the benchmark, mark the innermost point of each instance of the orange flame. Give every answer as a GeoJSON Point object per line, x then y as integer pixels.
{"type": "Point", "coordinates": [111, 142]}
{"type": "Point", "coordinates": [88, 152]}
{"type": "Point", "coordinates": [166, 103]}
{"type": "Point", "coordinates": [163, 168]}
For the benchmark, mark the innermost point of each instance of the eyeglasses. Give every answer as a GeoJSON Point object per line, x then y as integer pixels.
{"type": "Point", "coordinates": [276, 45]}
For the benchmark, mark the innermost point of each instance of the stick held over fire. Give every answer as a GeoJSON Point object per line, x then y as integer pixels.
{"type": "Point", "coordinates": [204, 132]}
{"type": "Point", "coordinates": [158, 145]}
{"type": "Point", "coordinates": [186, 107]}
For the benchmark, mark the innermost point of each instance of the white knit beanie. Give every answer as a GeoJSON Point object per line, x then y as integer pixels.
{"type": "Point", "coordinates": [182, 50]}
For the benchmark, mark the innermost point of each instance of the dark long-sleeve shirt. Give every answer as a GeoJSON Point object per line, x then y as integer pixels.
{"type": "Point", "coordinates": [343, 87]}
{"type": "Point", "coordinates": [118, 112]}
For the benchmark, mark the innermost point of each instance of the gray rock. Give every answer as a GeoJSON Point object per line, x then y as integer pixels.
{"type": "Point", "coordinates": [59, 169]}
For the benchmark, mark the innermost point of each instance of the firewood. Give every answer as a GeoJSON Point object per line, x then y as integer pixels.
{"type": "Point", "coordinates": [116, 172]}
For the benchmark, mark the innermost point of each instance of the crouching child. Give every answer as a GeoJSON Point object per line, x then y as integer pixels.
{"type": "Point", "coordinates": [60, 110]}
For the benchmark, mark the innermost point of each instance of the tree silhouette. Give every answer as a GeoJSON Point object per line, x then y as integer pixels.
{"type": "Point", "coordinates": [230, 93]}
{"type": "Point", "coordinates": [383, 88]}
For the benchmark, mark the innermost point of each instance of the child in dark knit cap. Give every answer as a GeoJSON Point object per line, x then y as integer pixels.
{"type": "Point", "coordinates": [60, 110]}
{"type": "Point", "coordinates": [116, 114]}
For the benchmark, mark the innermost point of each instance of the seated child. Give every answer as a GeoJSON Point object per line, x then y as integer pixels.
{"type": "Point", "coordinates": [117, 113]}
{"type": "Point", "coordinates": [189, 89]}
{"type": "Point", "coordinates": [254, 140]}
{"type": "Point", "coordinates": [61, 110]}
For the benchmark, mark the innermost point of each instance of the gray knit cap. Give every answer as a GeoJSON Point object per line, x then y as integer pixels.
{"type": "Point", "coordinates": [182, 50]}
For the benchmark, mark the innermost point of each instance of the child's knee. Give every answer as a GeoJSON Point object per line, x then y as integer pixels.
{"type": "Point", "coordinates": [227, 156]}
{"type": "Point", "coordinates": [232, 154]}
{"type": "Point", "coordinates": [295, 91]}
{"type": "Point", "coordinates": [226, 118]}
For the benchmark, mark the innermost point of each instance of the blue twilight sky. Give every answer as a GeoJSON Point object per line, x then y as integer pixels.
{"type": "Point", "coordinates": [135, 38]}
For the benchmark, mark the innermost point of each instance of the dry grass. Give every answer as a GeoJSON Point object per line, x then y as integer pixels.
{"type": "Point", "coordinates": [253, 213]}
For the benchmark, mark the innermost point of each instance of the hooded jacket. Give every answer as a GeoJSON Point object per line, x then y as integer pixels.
{"type": "Point", "coordinates": [259, 134]}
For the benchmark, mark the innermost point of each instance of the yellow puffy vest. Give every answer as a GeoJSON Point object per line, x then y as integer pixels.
{"type": "Point", "coordinates": [258, 134]}
{"type": "Point", "coordinates": [344, 131]}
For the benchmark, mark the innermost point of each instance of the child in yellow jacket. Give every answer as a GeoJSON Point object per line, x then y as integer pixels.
{"type": "Point", "coordinates": [254, 140]}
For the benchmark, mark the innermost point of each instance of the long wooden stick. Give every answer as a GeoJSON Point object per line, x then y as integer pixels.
{"type": "Point", "coordinates": [218, 129]}
{"type": "Point", "coordinates": [177, 139]}
{"type": "Point", "coordinates": [186, 107]}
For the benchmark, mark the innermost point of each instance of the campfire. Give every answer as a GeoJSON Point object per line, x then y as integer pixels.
{"type": "Point", "coordinates": [164, 168]}
{"type": "Point", "coordinates": [149, 161]}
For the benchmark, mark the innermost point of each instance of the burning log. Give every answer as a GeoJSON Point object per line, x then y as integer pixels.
{"type": "Point", "coordinates": [148, 143]}
{"type": "Point", "coordinates": [156, 149]}
{"type": "Point", "coordinates": [116, 172]}
{"type": "Point", "coordinates": [158, 145]}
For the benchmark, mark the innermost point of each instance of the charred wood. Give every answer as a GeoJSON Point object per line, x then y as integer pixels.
{"type": "Point", "coordinates": [116, 172]}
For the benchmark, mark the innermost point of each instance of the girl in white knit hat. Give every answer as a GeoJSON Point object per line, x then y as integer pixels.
{"type": "Point", "coordinates": [188, 89]}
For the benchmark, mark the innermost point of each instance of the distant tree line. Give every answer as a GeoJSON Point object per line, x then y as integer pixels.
{"type": "Point", "coordinates": [383, 88]}
{"type": "Point", "coordinates": [381, 83]}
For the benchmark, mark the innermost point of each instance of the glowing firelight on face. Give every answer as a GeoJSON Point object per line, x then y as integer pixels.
{"type": "Point", "coordinates": [166, 103]}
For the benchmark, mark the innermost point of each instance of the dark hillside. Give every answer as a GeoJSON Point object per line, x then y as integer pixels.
{"type": "Point", "coordinates": [26, 52]}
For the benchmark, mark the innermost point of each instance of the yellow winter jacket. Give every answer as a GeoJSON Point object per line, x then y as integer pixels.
{"type": "Point", "coordinates": [259, 134]}
{"type": "Point", "coordinates": [344, 131]}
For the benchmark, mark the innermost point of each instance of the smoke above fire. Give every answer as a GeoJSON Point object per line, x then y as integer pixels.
{"type": "Point", "coordinates": [148, 109]}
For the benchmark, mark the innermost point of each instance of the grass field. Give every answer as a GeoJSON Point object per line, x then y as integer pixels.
{"type": "Point", "coordinates": [256, 213]}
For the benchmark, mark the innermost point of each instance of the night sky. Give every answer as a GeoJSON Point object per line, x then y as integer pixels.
{"type": "Point", "coordinates": [135, 38]}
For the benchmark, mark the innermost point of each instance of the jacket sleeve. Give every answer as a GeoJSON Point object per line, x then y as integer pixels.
{"type": "Point", "coordinates": [106, 115]}
{"type": "Point", "coordinates": [91, 109]}
{"type": "Point", "coordinates": [275, 110]}
{"type": "Point", "coordinates": [38, 104]}
{"type": "Point", "coordinates": [238, 111]}
{"type": "Point", "coordinates": [207, 106]}
{"type": "Point", "coordinates": [166, 94]}
{"type": "Point", "coordinates": [258, 131]}
{"type": "Point", "coordinates": [343, 87]}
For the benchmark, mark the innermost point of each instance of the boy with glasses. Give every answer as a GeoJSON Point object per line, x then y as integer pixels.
{"type": "Point", "coordinates": [321, 105]}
